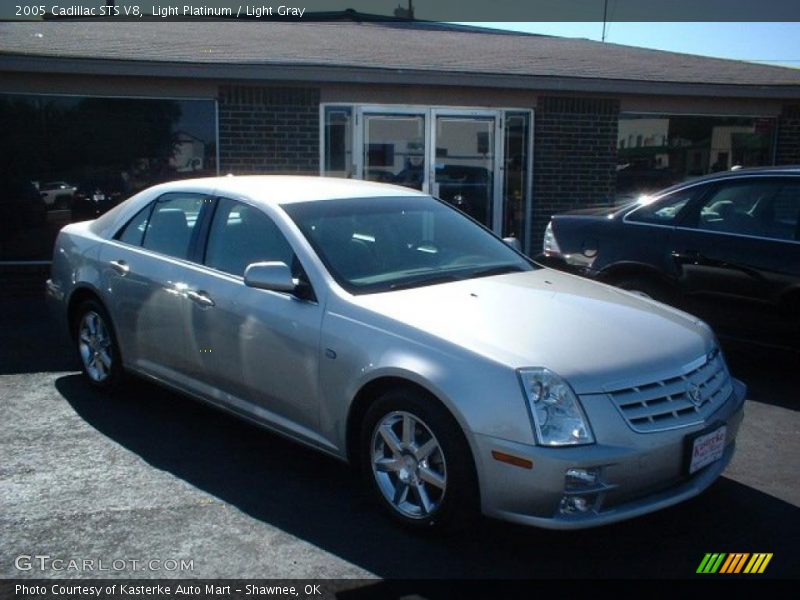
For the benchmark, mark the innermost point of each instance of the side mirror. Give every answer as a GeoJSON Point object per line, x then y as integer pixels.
{"type": "Point", "coordinates": [513, 242]}
{"type": "Point", "coordinates": [273, 276]}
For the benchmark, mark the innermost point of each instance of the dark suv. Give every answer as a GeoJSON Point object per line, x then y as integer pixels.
{"type": "Point", "coordinates": [725, 247]}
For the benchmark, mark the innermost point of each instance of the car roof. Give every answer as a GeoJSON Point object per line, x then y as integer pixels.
{"type": "Point", "coordinates": [781, 170]}
{"type": "Point", "coordinates": [732, 174]}
{"type": "Point", "coordinates": [285, 189]}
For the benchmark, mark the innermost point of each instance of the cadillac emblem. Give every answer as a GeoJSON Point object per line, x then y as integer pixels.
{"type": "Point", "coordinates": [695, 395]}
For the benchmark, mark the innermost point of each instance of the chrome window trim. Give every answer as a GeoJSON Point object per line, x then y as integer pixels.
{"type": "Point", "coordinates": [711, 182]}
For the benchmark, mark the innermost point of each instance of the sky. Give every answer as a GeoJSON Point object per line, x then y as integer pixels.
{"type": "Point", "coordinates": [775, 43]}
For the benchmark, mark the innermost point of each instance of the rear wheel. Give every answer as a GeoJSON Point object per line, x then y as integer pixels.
{"type": "Point", "coordinates": [417, 462]}
{"type": "Point", "coordinates": [97, 345]}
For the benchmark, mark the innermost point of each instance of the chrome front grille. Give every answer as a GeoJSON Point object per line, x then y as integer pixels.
{"type": "Point", "coordinates": [679, 401]}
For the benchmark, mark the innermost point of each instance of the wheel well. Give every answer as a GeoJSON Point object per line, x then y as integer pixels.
{"type": "Point", "coordinates": [77, 298]}
{"type": "Point", "coordinates": [367, 394]}
{"type": "Point", "coordinates": [622, 272]}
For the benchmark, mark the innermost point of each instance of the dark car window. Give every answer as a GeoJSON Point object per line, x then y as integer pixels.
{"type": "Point", "coordinates": [785, 218]}
{"type": "Point", "coordinates": [240, 235]}
{"type": "Point", "coordinates": [133, 232]}
{"type": "Point", "coordinates": [764, 208]}
{"type": "Point", "coordinates": [664, 211]}
{"type": "Point", "coordinates": [172, 222]}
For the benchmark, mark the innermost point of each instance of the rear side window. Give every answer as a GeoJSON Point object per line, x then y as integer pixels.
{"type": "Point", "coordinates": [170, 227]}
{"type": "Point", "coordinates": [133, 232]}
{"type": "Point", "coordinates": [664, 211]}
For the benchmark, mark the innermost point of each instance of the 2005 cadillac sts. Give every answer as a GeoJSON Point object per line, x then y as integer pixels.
{"type": "Point", "coordinates": [384, 327]}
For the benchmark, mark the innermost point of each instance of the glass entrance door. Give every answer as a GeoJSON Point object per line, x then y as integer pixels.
{"type": "Point", "coordinates": [465, 164]}
{"type": "Point", "coordinates": [478, 160]}
{"type": "Point", "coordinates": [394, 149]}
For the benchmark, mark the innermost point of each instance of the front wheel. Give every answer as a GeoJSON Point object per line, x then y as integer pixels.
{"type": "Point", "coordinates": [97, 345]}
{"type": "Point", "coordinates": [417, 462]}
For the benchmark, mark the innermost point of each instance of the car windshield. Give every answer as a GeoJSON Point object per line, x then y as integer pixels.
{"type": "Point", "coordinates": [383, 244]}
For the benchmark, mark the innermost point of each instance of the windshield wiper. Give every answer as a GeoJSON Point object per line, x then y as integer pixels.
{"type": "Point", "coordinates": [501, 270]}
{"type": "Point", "coordinates": [417, 282]}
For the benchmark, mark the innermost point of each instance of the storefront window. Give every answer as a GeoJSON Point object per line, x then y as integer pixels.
{"type": "Point", "coordinates": [66, 159]}
{"type": "Point", "coordinates": [655, 151]}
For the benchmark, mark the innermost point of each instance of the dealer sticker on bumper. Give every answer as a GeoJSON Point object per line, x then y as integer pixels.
{"type": "Point", "coordinates": [707, 449]}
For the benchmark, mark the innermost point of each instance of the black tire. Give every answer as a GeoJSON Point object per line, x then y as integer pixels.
{"type": "Point", "coordinates": [451, 507]}
{"type": "Point", "coordinates": [645, 287]}
{"type": "Point", "coordinates": [101, 349]}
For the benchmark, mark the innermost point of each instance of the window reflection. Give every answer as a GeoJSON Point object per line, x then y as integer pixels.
{"type": "Point", "coordinates": [66, 159]}
{"type": "Point", "coordinates": [655, 151]}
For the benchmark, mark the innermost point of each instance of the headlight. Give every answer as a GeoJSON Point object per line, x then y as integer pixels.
{"type": "Point", "coordinates": [557, 414]}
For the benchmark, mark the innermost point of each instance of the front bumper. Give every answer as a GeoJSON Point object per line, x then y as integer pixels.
{"type": "Point", "coordinates": [633, 479]}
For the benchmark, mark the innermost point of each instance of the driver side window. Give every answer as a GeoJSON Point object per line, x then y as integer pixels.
{"type": "Point", "coordinates": [743, 208]}
{"type": "Point", "coordinates": [241, 234]}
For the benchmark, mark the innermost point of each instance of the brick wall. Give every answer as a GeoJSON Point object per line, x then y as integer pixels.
{"type": "Point", "coordinates": [787, 151]}
{"type": "Point", "coordinates": [268, 129]}
{"type": "Point", "coordinates": [574, 157]}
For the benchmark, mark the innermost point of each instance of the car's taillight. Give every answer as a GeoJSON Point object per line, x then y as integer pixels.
{"type": "Point", "coordinates": [550, 245]}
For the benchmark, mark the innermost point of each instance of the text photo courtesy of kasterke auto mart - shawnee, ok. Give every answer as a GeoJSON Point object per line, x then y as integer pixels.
{"type": "Point", "coordinates": [394, 300]}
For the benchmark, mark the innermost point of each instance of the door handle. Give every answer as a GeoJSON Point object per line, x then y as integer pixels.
{"type": "Point", "coordinates": [697, 258]}
{"type": "Point", "coordinates": [201, 298]}
{"type": "Point", "coordinates": [120, 266]}
{"type": "Point", "coordinates": [687, 256]}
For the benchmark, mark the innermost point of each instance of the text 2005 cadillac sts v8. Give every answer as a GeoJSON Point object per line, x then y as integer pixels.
{"type": "Point", "coordinates": [386, 328]}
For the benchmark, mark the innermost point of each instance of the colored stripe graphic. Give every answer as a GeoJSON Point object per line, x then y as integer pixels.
{"type": "Point", "coordinates": [711, 563]}
{"type": "Point", "coordinates": [734, 563]}
{"type": "Point", "coordinates": [722, 563]}
{"type": "Point", "coordinates": [758, 563]}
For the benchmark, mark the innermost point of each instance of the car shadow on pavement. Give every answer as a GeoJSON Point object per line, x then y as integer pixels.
{"type": "Point", "coordinates": [31, 341]}
{"type": "Point", "coordinates": [772, 375]}
{"type": "Point", "coordinates": [319, 500]}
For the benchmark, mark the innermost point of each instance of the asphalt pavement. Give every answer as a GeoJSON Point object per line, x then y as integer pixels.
{"type": "Point", "coordinates": [149, 475]}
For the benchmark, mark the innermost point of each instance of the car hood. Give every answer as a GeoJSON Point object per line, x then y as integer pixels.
{"type": "Point", "coordinates": [597, 337]}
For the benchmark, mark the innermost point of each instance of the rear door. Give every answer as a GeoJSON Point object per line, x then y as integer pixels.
{"type": "Point", "coordinates": [145, 270]}
{"type": "Point", "coordinates": [738, 255]}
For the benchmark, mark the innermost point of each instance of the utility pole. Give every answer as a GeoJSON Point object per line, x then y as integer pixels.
{"type": "Point", "coordinates": [605, 14]}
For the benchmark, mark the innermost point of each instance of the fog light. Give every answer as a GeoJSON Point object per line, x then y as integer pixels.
{"type": "Point", "coordinates": [571, 505]}
{"type": "Point", "coordinates": [580, 478]}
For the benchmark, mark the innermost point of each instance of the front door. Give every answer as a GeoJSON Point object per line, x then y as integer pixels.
{"type": "Point", "coordinates": [465, 164]}
{"type": "Point", "coordinates": [393, 149]}
{"type": "Point", "coordinates": [259, 349]}
{"type": "Point", "coordinates": [738, 256]}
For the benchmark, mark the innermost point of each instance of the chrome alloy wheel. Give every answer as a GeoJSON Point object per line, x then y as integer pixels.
{"type": "Point", "coordinates": [408, 465]}
{"type": "Point", "coordinates": [94, 345]}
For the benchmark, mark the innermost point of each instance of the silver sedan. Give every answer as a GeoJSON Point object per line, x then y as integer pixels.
{"type": "Point", "coordinates": [382, 326]}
